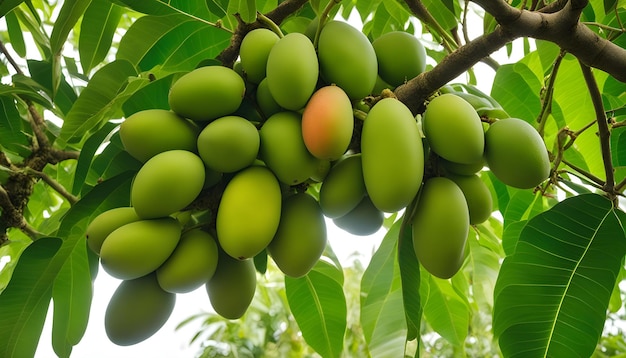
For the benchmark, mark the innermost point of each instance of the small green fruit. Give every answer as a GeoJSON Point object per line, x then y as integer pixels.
{"type": "Point", "coordinates": [477, 195]}
{"type": "Point", "coordinates": [254, 50]}
{"type": "Point", "coordinates": [365, 219]}
{"type": "Point", "coordinates": [105, 223]}
{"type": "Point", "coordinates": [267, 104]}
{"type": "Point", "coordinates": [232, 287]}
{"type": "Point", "coordinates": [229, 144]}
{"type": "Point", "coordinates": [343, 188]}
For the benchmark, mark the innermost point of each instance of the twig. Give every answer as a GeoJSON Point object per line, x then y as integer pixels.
{"type": "Point", "coordinates": [546, 103]}
{"type": "Point", "coordinates": [53, 184]}
{"type": "Point", "coordinates": [421, 12]}
{"type": "Point", "coordinates": [584, 173]}
{"type": "Point", "coordinates": [9, 58]}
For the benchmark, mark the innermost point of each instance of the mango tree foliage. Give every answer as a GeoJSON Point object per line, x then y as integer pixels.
{"type": "Point", "coordinates": [541, 277]}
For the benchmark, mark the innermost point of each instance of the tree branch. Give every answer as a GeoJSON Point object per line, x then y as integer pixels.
{"type": "Point", "coordinates": [53, 184]}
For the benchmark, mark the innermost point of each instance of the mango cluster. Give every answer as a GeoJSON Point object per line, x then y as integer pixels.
{"type": "Point", "coordinates": [252, 161]}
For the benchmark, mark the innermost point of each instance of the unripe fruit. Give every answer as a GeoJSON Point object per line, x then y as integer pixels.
{"type": "Point", "coordinates": [138, 248]}
{"type": "Point", "coordinates": [249, 212]}
{"type": "Point", "coordinates": [301, 236]}
{"type": "Point", "coordinates": [229, 144]}
{"type": "Point", "coordinates": [440, 227]}
{"type": "Point", "coordinates": [207, 93]}
{"type": "Point", "coordinates": [267, 104]}
{"type": "Point", "coordinates": [327, 123]}
{"type": "Point", "coordinates": [516, 154]}
{"type": "Point", "coordinates": [477, 195]}
{"type": "Point", "coordinates": [137, 310]}
{"type": "Point", "coordinates": [292, 71]}
{"type": "Point", "coordinates": [347, 59]}
{"type": "Point", "coordinates": [105, 223]}
{"type": "Point", "coordinates": [152, 131]}
{"type": "Point", "coordinates": [365, 219]}
{"type": "Point", "coordinates": [232, 287]}
{"type": "Point", "coordinates": [343, 188]}
{"type": "Point", "coordinates": [454, 129]}
{"type": "Point", "coordinates": [401, 56]}
{"type": "Point", "coordinates": [167, 183]}
{"type": "Point", "coordinates": [462, 169]}
{"type": "Point", "coordinates": [392, 155]}
{"type": "Point", "coordinates": [254, 50]}
{"type": "Point", "coordinates": [191, 264]}
{"type": "Point", "coordinates": [283, 149]}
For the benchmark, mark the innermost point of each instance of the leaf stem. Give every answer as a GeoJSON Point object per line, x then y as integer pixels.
{"type": "Point", "coordinates": [584, 173]}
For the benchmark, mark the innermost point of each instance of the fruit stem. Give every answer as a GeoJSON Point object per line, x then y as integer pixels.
{"type": "Point", "coordinates": [359, 114]}
{"type": "Point", "coordinates": [323, 19]}
{"type": "Point", "coordinates": [270, 24]}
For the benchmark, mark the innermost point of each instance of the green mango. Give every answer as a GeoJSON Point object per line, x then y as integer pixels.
{"type": "Point", "coordinates": [401, 56]}
{"type": "Point", "coordinates": [232, 287]}
{"type": "Point", "coordinates": [267, 104]}
{"type": "Point", "coordinates": [292, 71]}
{"type": "Point", "coordinates": [516, 153]}
{"type": "Point", "coordinates": [207, 93]}
{"type": "Point", "coordinates": [253, 52]}
{"type": "Point", "coordinates": [229, 144]}
{"type": "Point", "coordinates": [365, 219]}
{"type": "Point", "coordinates": [167, 183]}
{"type": "Point", "coordinates": [191, 264]}
{"type": "Point", "coordinates": [454, 129]}
{"type": "Point", "coordinates": [462, 169]}
{"type": "Point", "coordinates": [152, 131]}
{"type": "Point", "coordinates": [347, 59]}
{"type": "Point", "coordinates": [140, 247]}
{"type": "Point", "coordinates": [440, 227]}
{"type": "Point", "coordinates": [283, 149]}
{"type": "Point", "coordinates": [105, 223]}
{"type": "Point", "coordinates": [137, 310]}
{"type": "Point", "coordinates": [249, 212]}
{"type": "Point", "coordinates": [301, 236]}
{"type": "Point", "coordinates": [392, 155]}
{"type": "Point", "coordinates": [343, 188]}
{"type": "Point", "coordinates": [477, 195]}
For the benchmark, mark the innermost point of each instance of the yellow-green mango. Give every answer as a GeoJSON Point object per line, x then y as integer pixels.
{"type": "Point", "coordinates": [440, 227]}
{"type": "Point", "coordinates": [343, 188]}
{"type": "Point", "coordinates": [152, 131]}
{"type": "Point", "coordinates": [301, 236]}
{"type": "Point", "coordinates": [401, 56]}
{"type": "Point", "coordinates": [167, 183]}
{"type": "Point", "coordinates": [254, 50]}
{"type": "Point", "coordinates": [347, 59]}
{"type": "Point", "coordinates": [137, 310]}
{"type": "Point", "coordinates": [477, 195]}
{"type": "Point", "coordinates": [267, 104]}
{"type": "Point", "coordinates": [191, 264]}
{"type": "Point", "coordinates": [365, 219]}
{"type": "Point", "coordinates": [232, 287]}
{"type": "Point", "coordinates": [454, 129]}
{"type": "Point", "coordinates": [249, 212]}
{"type": "Point", "coordinates": [392, 155]}
{"type": "Point", "coordinates": [207, 93]}
{"type": "Point", "coordinates": [229, 144]}
{"type": "Point", "coordinates": [283, 149]}
{"type": "Point", "coordinates": [140, 247]}
{"type": "Point", "coordinates": [105, 223]}
{"type": "Point", "coordinates": [516, 153]}
{"type": "Point", "coordinates": [292, 71]}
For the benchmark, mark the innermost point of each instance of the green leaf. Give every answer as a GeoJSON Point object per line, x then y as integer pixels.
{"type": "Point", "coordinates": [552, 294]}
{"type": "Point", "coordinates": [245, 8]}
{"type": "Point", "coordinates": [43, 73]}
{"type": "Point", "coordinates": [441, 13]}
{"type": "Point", "coordinates": [484, 265]}
{"type": "Point", "coordinates": [11, 126]}
{"type": "Point", "coordinates": [517, 88]}
{"type": "Point", "coordinates": [192, 9]}
{"type": "Point", "coordinates": [153, 96]}
{"type": "Point", "coordinates": [24, 303]}
{"type": "Point", "coordinates": [87, 153]}
{"type": "Point", "coordinates": [15, 34]}
{"type": "Point", "coordinates": [609, 6]}
{"type": "Point", "coordinates": [70, 12]}
{"type": "Point", "coordinates": [96, 32]}
{"type": "Point", "coordinates": [8, 5]}
{"type": "Point", "coordinates": [382, 320]}
{"type": "Point", "coordinates": [318, 304]}
{"type": "Point", "coordinates": [410, 275]}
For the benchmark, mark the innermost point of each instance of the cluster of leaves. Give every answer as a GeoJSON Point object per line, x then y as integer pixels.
{"type": "Point", "coordinates": [544, 270]}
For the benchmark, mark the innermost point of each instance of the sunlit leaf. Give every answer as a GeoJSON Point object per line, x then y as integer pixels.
{"type": "Point", "coordinates": [15, 34]}
{"type": "Point", "coordinates": [517, 89]}
{"type": "Point", "coordinates": [71, 11]}
{"type": "Point", "coordinates": [96, 32]}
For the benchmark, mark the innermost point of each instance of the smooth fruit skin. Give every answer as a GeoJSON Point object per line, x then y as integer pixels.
{"type": "Point", "coordinates": [454, 129]}
{"type": "Point", "coordinates": [365, 219]}
{"type": "Point", "coordinates": [392, 155]}
{"type": "Point", "coordinates": [462, 169]}
{"type": "Point", "coordinates": [267, 104]}
{"type": "Point", "coordinates": [301, 236]}
{"type": "Point", "coordinates": [207, 93]}
{"type": "Point", "coordinates": [105, 223]}
{"type": "Point", "coordinates": [401, 56]}
{"type": "Point", "coordinates": [283, 149]}
{"type": "Point", "coordinates": [292, 71]}
{"type": "Point", "coordinates": [137, 310]}
{"type": "Point", "coordinates": [440, 227]}
{"type": "Point", "coordinates": [138, 248]}
{"type": "Point", "coordinates": [167, 183]}
{"type": "Point", "coordinates": [343, 188]}
{"type": "Point", "coordinates": [254, 50]}
{"type": "Point", "coordinates": [327, 123]}
{"type": "Point", "coordinates": [229, 144]}
{"type": "Point", "coordinates": [347, 59]}
{"type": "Point", "coordinates": [516, 153]}
{"type": "Point", "coordinates": [477, 195]}
{"type": "Point", "coordinates": [249, 212]}
{"type": "Point", "coordinates": [191, 264]}
{"type": "Point", "coordinates": [232, 287]}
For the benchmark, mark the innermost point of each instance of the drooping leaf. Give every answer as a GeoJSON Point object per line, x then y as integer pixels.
{"type": "Point", "coordinates": [89, 149]}
{"type": "Point", "coordinates": [552, 294]}
{"type": "Point", "coordinates": [96, 32]}
{"type": "Point", "coordinates": [517, 89]}
{"type": "Point", "coordinates": [71, 11]}
{"type": "Point", "coordinates": [152, 96]}
{"type": "Point", "coordinates": [13, 137]}
{"type": "Point", "coordinates": [15, 34]}
{"type": "Point", "coordinates": [192, 9]}
{"type": "Point", "coordinates": [61, 93]}
{"type": "Point", "coordinates": [8, 5]}
{"type": "Point", "coordinates": [410, 275]}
